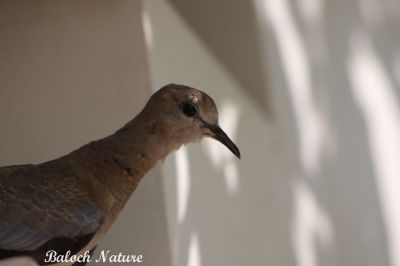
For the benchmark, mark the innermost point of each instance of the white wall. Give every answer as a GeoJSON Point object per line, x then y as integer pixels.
{"type": "Point", "coordinates": [334, 73]}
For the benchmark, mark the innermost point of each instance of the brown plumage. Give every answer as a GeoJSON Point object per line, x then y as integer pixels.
{"type": "Point", "coordinates": [70, 202]}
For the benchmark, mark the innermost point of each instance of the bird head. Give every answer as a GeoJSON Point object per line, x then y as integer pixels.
{"type": "Point", "coordinates": [185, 114]}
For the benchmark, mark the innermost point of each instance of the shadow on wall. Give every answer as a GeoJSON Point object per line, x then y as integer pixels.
{"type": "Point", "coordinates": [339, 61]}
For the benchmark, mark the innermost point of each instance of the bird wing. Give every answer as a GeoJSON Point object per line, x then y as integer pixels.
{"type": "Point", "coordinates": [39, 203]}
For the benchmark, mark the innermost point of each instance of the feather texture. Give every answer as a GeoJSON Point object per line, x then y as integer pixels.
{"type": "Point", "coordinates": [42, 202]}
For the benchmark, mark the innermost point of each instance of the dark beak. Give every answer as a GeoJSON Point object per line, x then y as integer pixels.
{"type": "Point", "coordinates": [218, 134]}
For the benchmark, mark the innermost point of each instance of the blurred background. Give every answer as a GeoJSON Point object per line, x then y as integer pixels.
{"type": "Point", "coordinates": [308, 89]}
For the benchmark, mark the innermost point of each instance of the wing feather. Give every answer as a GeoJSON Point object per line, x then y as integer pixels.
{"type": "Point", "coordinates": [43, 202]}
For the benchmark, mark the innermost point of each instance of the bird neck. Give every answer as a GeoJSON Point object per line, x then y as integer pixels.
{"type": "Point", "coordinates": [141, 143]}
{"type": "Point", "coordinates": [119, 161]}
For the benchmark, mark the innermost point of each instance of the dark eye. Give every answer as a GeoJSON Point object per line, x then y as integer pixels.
{"type": "Point", "coordinates": [189, 110]}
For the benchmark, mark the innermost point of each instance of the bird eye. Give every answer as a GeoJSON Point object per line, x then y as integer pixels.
{"type": "Point", "coordinates": [189, 110]}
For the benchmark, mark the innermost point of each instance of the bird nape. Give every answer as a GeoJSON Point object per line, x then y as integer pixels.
{"type": "Point", "coordinates": [68, 204]}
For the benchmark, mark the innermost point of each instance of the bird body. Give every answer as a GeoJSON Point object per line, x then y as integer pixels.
{"type": "Point", "coordinates": [68, 204]}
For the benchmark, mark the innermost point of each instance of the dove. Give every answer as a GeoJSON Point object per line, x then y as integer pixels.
{"type": "Point", "coordinates": [67, 204]}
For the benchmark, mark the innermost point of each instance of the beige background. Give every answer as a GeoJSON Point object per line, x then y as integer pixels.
{"type": "Point", "coordinates": [71, 72]}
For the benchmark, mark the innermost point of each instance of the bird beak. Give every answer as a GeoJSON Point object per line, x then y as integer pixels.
{"type": "Point", "coordinates": [218, 134]}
